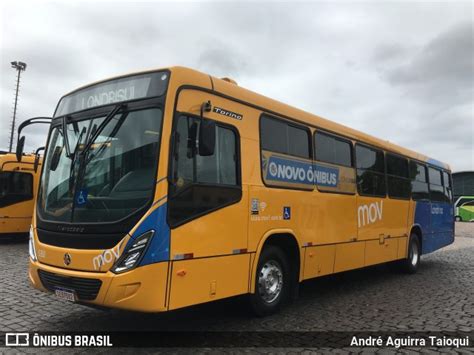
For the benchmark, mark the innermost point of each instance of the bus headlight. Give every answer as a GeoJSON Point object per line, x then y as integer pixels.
{"type": "Point", "coordinates": [131, 257]}
{"type": "Point", "coordinates": [31, 247]}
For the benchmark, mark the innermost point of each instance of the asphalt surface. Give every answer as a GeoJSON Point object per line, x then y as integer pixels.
{"type": "Point", "coordinates": [440, 297]}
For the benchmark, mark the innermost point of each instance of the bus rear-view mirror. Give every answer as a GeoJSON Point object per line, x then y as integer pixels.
{"type": "Point", "coordinates": [207, 138]}
{"type": "Point", "coordinates": [35, 166]}
{"type": "Point", "coordinates": [19, 148]}
{"type": "Point", "coordinates": [37, 158]}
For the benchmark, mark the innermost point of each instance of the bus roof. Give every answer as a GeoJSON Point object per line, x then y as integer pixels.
{"type": "Point", "coordinates": [185, 76]}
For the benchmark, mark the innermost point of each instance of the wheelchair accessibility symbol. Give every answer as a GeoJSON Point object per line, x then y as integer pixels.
{"type": "Point", "coordinates": [286, 213]}
{"type": "Point", "coordinates": [81, 197]}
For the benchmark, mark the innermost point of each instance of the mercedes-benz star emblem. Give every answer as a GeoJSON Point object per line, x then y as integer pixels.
{"type": "Point", "coordinates": [67, 259]}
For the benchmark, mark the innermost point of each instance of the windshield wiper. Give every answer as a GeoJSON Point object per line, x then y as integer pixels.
{"type": "Point", "coordinates": [83, 154]}
{"type": "Point", "coordinates": [65, 137]}
{"type": "Point", "coordinates": [111, 135]}
{"type": "Point", "coordinates": [74, 158]}
{"type": "Point", "coordinates": [101, 127]}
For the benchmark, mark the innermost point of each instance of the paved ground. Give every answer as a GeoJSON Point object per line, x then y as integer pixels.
{"type": "Point", "coordinates": [440, 297]}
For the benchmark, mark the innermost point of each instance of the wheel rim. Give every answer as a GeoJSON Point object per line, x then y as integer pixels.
{"type": "Point", "coordinates": [414, 255]}
{"type": "Point", "coordinates": [270, 281]}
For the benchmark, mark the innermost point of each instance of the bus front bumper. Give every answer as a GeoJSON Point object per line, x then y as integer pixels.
{"type": "Point", "coordinates": [142, 289]}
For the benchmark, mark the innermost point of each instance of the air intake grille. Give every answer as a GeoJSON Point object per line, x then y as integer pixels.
{"type": "Point", "coordinates": [86, 289]}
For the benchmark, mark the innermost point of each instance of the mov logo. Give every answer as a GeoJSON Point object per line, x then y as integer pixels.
{"type": "Point", "coordinates": [368, 214]}
{"type": "Point", "coordinates": [106, 257]}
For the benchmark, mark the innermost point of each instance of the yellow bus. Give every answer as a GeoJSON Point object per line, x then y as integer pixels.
{"type": "Point", "coordinates": [18, 185]}
{"type": "Point", "coordinates": [170, 188]}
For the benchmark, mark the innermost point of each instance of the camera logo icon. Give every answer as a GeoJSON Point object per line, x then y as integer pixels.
{"type": "Point", "coordinates": [17, 339]}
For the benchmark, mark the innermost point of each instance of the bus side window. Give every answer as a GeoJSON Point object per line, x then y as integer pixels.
{"type": "Point", "coordinates": [419, 181]}
{"type": "Point", "coordinates": [15, 187]}
{"type": "Point", "coordinates": [202, 184]}
{"type": "Point", "coordinates": [436, 185]}
{"type": "Point", "coordinates": [370, 171]}
{"type": "Point", "coordinates": [397, 177]}
{"type": "Point", "coordinates": [447, 186]}
{"type": "Point", "coordinates": [283, 137]}
{"type": "Point", "coordinates": [332, 150]}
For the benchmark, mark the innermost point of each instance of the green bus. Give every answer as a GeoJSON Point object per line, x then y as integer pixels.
{"type": "Point", "coordinates": [464, 208]}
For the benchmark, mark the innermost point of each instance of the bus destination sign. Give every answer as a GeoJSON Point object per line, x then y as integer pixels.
{"type": "Point", "coordinates": [118, 90]}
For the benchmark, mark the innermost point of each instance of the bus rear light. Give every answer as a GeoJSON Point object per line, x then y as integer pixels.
{"type": "Point", "coordinates": [31, 246]}
{"type": "Point", "coordinates": [132, 256]}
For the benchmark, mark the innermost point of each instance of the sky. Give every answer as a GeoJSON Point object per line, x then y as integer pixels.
{"type": "Point", "coordinates": [401, 70]}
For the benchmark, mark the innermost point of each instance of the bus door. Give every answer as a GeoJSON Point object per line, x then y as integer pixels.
{"type": "Point", "coordinates": [207, 208]}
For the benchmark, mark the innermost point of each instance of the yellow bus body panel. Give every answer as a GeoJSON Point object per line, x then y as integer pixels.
{"type": "Point", "coordinates": [16, 218]}
{"type": "Point", "coordinates": [319, 261]}
{"type": "Point", "coordinates": [202, 280]}
{"type": "Point", "coordinates": [16, 224]}
{"type": "Point", "coordinates": [377, 252]}
{"type": "Point", "coordinates": [349, 256]}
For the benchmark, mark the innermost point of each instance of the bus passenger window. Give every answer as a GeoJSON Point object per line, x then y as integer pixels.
{"type": "Point", "coordinates": [332, 150]}
{"type": "Point", "coordinates": [397, 177]}
{"type": "Point", "coordinates": [286, 138]}
{"type": "Point", "coordinates": [202, 183]}
{"type": "Point", "coordinates": [419, 182]}
{"type": "Point", "coordinates": [370, 171]}
{"type": "Point", "coordinates": [436, 185]}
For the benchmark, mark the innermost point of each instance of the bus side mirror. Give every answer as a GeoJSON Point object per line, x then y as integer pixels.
{"type": "Point", "coordinates": [19, 148]}
{"type": "Point", "coordinates": [55, 158]}
{"type": "Point", "coordinates": [207, 138]}
{"type": "Point", "coordinates": [35, 166]}
{"type": "Point", "coordinates": [37, 158]}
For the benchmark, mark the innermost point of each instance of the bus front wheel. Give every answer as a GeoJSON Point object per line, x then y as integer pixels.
{"type": "Point", "coordinates": [458, 219]}
{"type": "Point", "coordinates": [272, 282]}
{"type": "Point", "coordinates": [411, 263]}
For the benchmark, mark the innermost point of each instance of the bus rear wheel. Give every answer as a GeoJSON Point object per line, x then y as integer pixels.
{"type": "Point", "coordinates": [458, 219]}
{"type": "Point", "coordinates": [272, 281]}
{"type": "Point", "coordinates": [411, 263]}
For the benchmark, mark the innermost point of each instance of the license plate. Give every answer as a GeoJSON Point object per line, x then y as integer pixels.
{"type": "Point", "coordinates": [68, 295]}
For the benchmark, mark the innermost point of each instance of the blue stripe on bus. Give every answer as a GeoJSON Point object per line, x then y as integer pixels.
{"type": "Point", "coordinates": [159, 249]}
{"type": "Point", "coordinates": [436, 220]}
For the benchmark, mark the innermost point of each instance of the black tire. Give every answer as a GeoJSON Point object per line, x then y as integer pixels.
{"type": "Point", "coordinates": [458, 219]}
{"type": "Point", "coordinates": [262, 302]}
{"type": "Point", "coordinates": [412, 262]}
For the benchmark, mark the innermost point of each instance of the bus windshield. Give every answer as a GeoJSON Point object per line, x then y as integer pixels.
{"type": "Point", "coordinates": [109, 172]}
{"type": "Point", "coordinates": [15, 187]}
